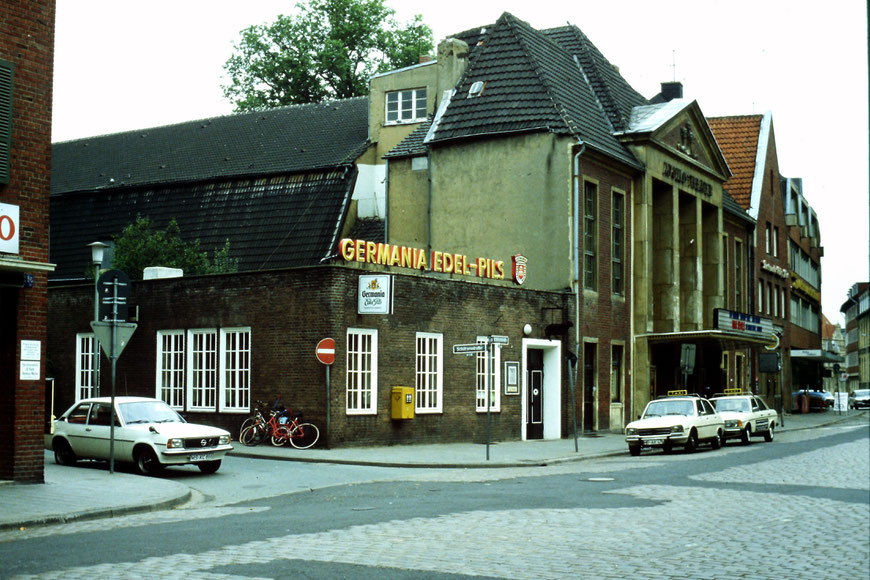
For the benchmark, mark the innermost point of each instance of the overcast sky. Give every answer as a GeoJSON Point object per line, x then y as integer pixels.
{"type": "Point", "coordinates": [125, 64]}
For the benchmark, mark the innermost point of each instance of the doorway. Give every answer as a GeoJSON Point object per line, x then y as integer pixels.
{"type": "Point", "coordinates": [542, 389]}
{"type": "Point", "coordinates": [590, 352]}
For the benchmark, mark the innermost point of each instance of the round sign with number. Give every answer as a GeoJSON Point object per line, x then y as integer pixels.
{"type": "Point", "coordinates": [325, 351]}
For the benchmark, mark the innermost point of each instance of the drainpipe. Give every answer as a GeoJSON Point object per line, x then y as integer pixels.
{"type": "Point", "coordinates": [386, 201]}
{"type": "Point", "coordinates": [577, 285]}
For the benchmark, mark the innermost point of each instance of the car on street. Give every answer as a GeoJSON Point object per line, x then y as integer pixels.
{"type": "Point", "coordinates": [148, 433]}
{"type": "Point", "coordinates": [817, 400]}
{"type": "Point", "coordinates": [860, 399]}
{"type": "Point", "coordinates": [679, 420]}
{"type": "Point", "coordinates": [745, 416]}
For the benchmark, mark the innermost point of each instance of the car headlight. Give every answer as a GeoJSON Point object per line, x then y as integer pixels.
{"type": "Point", "coordinates": [225, 440]}
{"type": "Point", "coordinates": [631, 431]}
{"type": "Point", "coordinates": [677, 429]}
{"type": "Point", "coordinates": [175, 444]}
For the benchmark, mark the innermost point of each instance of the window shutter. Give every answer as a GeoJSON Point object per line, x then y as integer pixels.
{"type": "Point", "coordinates": [6, 84]}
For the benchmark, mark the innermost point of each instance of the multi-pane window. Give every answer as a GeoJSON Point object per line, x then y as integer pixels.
{"type": "Point", "coordinates": [775, 241]}
{"type": "Point", "coordinates": [170, 367]}
{"type": "Point", "coordinates": [488, 374]}
{"type": "Point", "coordinates": [768, 235]}
{"type": "Point", "coordinates": [407, 106]}
{"type": "Point", "coordinates": [236, 370]}
{"type": "Point", "coordinates": [738, 275]}
{"type": "Point", "coordinates": [429, 372]}
{"type": "Point", "coordinates": [590, 197]}
{"type": "Point", "coordinates": [362, 371]}
{"type": "Point", "coordinates": [616, 373]}
{"type": "Point", "coordinates": [203, 369]}
{"type": "Point", "coordinates": [87, 351]}
{"type": "Point", "coordinates": [616, 255]}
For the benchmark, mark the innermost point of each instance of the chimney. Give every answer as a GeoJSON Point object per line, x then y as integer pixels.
{"type": "Point", "coordinates": [452, 60]}
{"type": "Point", "coordinates": [671, 91]}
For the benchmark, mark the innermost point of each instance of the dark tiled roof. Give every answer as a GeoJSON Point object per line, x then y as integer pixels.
{"type": "Point", "coordinates": [370, 229]}
{"type": "Point", "coordinates": [412, 145]}
{"type": "Point", "coordinates": [277, 141]}
{"type": "Point", "coordinates": [532, 83]}
{"type": "Point", "coordinates": [276, 222]}
{"type": "Point", "coordinates": [738, 139]}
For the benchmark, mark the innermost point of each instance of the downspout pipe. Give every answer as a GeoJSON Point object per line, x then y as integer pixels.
{"type": "Point", "coordinates": [577, 285]}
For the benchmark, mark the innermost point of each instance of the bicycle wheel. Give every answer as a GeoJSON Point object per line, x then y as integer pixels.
{"type": "Point", "coordinates": [247, 423]}
{"type": "Point", "coordinates": [280, 436]}
{"type": "Point", "coordinates": [252, 435]}
{"type": "Point", "coordinates": [305, 435]}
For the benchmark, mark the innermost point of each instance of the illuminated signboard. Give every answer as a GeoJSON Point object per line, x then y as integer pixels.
{"type": "Point", "coordinates": [367, 252]}
{"type": "Point", "coordinates": [724, 319]}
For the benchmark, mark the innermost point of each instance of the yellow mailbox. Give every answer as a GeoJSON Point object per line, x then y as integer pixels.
{"type": "Point", "coordinates": [403, 403]}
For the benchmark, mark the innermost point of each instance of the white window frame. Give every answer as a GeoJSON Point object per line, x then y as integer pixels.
{"type": "Point", "coordinates": [429, 372]}
{"type": "Point", "coordinates": [361, 379]}
{"type": "Point", "coordinates": [86, 342]}
{"type": "Point", "coordinates": [405, 106]}
{"type": "Point", "coordinates": [171, 381]}
{"type": "Point", "coordinates": [235, 371]}
{"type": "Point", "coordinates": [202, 369]}
{"type": "Point", "coordinates": [484, 362]}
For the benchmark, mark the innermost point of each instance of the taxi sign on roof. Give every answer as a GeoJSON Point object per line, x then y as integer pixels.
{"type": "Point", "coordinates": [682, 393]}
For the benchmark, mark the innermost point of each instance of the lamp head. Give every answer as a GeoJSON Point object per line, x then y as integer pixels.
{"type": "Point", "coordinates": [97, 251]}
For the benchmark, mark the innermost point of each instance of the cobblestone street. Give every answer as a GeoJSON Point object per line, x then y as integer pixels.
{"type": "Point", "coordinates": [718, 528]}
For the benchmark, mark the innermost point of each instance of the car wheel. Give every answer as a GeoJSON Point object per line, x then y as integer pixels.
{"type": "Point", "coordinates": [692, 442]}
{"type": "Point", "coordinates": [769, 435]}
{"type": "Point", "coordinates": [718, 440]}
{"type": "Point", "coordinates": [634, 450]}
{"type": "Point", "coordinates": [209, 466]}
{"type": "Point", "coordinates": [746, 436]}
{"type": "Point", "coordinates": [147, 462]}
{"type": "Point", "coordinates": [63, 453]}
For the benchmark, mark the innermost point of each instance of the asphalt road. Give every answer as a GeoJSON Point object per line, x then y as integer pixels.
{"type": "Point", "coordinates": [797, 508]}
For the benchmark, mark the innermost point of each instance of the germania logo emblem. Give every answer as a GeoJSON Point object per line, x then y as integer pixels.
{"type": "Point", "coordinates": [520, 265]}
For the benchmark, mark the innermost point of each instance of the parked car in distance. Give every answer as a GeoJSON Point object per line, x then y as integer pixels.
{"type": "Point", "coordinates": [680, 420]}
{"type": "Point", "coordinates": [745, 416]}
{"type": "Point", "coordinates": [148, 433]}
{"type": "Point", "coordinates": [817, 400]}
{"type": "Point", "coordinates": [860, 399]}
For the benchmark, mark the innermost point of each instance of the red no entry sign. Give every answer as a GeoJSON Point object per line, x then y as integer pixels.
{"type": "Point", "coordinates": [326, 351]}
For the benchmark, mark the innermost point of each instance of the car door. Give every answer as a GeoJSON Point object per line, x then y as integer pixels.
{"type": "Point", "coordinates": [707, 419]}
{"type": "Point", "coordinates": [96, 439]}
{"type": "Point", "coordinates": [75, 428]}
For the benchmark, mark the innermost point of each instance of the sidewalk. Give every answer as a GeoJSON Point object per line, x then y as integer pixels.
{"type": "Point", "coordinates": [90, 492]}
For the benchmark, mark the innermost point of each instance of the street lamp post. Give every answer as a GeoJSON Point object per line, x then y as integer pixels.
{"type": "Point", "coordinates": [97, 251]}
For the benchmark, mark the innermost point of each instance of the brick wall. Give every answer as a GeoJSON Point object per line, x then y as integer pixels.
{"type": "Point", "coordinates": [26, 40]}
{"type": "Point", "coordinates": [289, 312]}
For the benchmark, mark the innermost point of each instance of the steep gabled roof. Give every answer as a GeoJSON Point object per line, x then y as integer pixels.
{"type": "Point", "coordinates": [738, 137]}
{"type": "Point", "coordinates": [531, 82]}
{"type": "Point", "coordinates": [283, 140]}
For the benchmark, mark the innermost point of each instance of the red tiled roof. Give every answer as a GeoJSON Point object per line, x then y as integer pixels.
{"type": "Point", "coordinates": [738, 139]}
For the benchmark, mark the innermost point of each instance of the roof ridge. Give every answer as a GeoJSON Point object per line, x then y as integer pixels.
{"type": "Point", "coordinates": [594, 66]}
{"type": "Point", "coordinates": [536, 66]}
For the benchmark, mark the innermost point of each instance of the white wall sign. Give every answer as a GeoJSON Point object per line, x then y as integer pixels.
{"type": "Point", "coordinates": [375, 294]}
{"type": "Point", "coordinates": [9, 226]}
{"type": "Point", "coordinates": [29, 370]}
{"type": "Point", "coordinates": [31, 350]}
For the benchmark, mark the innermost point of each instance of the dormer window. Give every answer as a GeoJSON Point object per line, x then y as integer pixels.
{"type": "Point", "coordinates": [407, 106]}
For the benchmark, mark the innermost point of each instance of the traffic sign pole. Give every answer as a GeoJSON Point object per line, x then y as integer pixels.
{"type": "Point", "coordinates": [325, 353]}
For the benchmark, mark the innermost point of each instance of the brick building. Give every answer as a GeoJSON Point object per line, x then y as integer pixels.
{"type": "Point", "coordinates": [26, 68]}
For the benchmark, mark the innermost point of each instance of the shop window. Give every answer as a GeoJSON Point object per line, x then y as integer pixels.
{"type": "Point", "coordinates": [488, 365]}
{"type": "Point", "coordinates": [429, 372]}
{"type": "Point", "coordinates": [408, 106]}
{"type": "Point", "coordinates": [362, 371]}
{"type": "Point", "coordinates": [617, 255]}
{"type": "Point", "coordinates": [87, 381]}
{"type": "Point", "coordinates": [616, 365]}
{"type": "Point", "coordinates": [590, 219]}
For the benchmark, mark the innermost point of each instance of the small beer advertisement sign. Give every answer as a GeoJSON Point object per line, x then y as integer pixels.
{"type": "Point", "coordinates": [375, 294]}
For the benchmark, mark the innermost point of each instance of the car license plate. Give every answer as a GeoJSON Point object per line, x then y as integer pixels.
{"type": "Point", "coordinates": [199, 457]}
{"type": "Point", "coordinates": [653, 441]}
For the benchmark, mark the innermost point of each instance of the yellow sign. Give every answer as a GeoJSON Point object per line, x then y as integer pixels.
{"type": "Point", "coordinates": [682, 393]}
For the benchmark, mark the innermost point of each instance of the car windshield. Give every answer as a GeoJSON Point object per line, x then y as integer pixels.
{"type": "Point", "coordinates": [862, 393]}
{"type": "Point", "coordinates": [735, 405]}
{"type": "Point", "coordinates": [661, 408]}
{"type": "Point", "coordinates": [149, 412]}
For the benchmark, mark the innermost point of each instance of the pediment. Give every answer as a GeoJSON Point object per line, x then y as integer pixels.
{"type": "Point", "coordinates": [688, 136]}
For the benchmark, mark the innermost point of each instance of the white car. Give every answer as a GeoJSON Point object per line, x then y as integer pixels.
{"type": "Point", "coordinates": [148, 433]}
{"type": "Point", "coordinates": [684, 421]}
{"type": "Point", "coordinates": [746, 416]}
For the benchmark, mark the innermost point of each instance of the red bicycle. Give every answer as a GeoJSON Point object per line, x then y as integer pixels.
{"type": "Point", "coordinates": [281, 426]}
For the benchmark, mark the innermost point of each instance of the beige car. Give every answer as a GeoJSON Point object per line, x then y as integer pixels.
{"type": "Point", "coordinates": [746, 416]}
{"type": "Point", "coordinates": [676, 421]}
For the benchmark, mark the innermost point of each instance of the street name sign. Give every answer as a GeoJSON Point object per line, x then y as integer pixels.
{"type": "Point", "coordinates": [469, 348]}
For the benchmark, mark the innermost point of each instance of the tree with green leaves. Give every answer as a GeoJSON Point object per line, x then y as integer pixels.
{"type": "Point", "coordinates": [140, 246]}
{"type": "Point", "coordinates": [328, 50]}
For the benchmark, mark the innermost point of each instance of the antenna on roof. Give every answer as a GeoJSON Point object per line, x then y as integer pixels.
{"type": "Point", "coordinates": [674, 63]}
